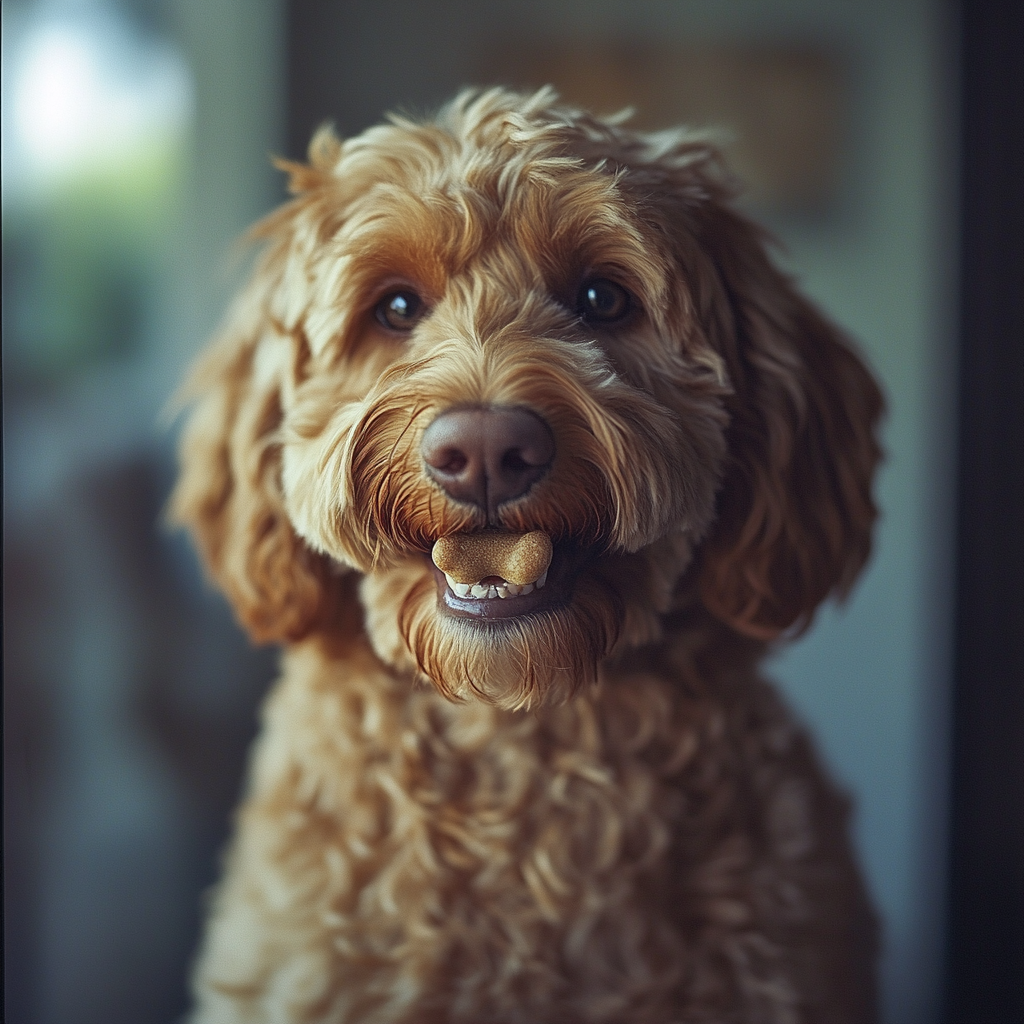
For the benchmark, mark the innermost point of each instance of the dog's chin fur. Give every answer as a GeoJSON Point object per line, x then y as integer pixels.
{"type": "Point", "coordinates": [613, 603]}
{"type": "Point", "coordinates": [516, 663]}
{"type": "Point", "coordinates": [653, 840]}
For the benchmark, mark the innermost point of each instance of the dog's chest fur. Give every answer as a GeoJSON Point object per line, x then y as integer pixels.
{"type": "Point", "coordinates": [582, 862]}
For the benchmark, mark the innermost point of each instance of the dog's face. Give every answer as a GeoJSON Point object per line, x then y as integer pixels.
{"type": "Point", "coordinates": [514, 326]}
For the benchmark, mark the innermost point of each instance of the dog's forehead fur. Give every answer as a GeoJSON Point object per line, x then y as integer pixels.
{"type": "Point", "coordinates": [498, 202]}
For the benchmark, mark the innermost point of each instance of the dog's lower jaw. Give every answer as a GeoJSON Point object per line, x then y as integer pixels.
{"type": "Point", "coordinates": [599, 607]}
{"type": "Point", "coordinates": [515, 663]}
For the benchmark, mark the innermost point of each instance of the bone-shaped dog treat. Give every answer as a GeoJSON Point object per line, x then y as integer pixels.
{"type": "Point", "coordinates": [519, 558]}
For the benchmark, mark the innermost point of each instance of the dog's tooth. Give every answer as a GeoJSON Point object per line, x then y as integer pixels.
{"type": "Point", "coordinates": [490, 591]}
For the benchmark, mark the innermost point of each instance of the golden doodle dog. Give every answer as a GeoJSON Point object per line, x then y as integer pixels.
{"type": "Point", "coordinates": [525, 451]}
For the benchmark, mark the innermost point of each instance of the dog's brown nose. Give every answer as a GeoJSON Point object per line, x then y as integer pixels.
{"type": "Point", "coordinates": [487, 456]}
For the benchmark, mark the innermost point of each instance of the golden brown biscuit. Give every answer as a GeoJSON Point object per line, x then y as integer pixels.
{"type": "Point", "coordinates": [519, 558]}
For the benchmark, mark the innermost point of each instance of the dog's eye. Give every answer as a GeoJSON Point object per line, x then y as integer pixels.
{"type": "Point", "coordinates": [399, 311]}
{"type": "Point", "coordinates": [602, 302]}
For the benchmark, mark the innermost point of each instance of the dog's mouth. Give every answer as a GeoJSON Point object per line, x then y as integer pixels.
{"type": "Point", "coordinates": [495, 574]}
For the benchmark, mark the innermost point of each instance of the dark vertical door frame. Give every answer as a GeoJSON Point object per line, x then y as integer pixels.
{"type": "Point", "coordinates": [985, 941]}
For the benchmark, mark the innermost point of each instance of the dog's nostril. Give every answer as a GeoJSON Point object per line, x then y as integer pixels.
{"type": "Point", "coordinates": [449, 461]}
{"type": "Point", "coordinates": [514, 461]}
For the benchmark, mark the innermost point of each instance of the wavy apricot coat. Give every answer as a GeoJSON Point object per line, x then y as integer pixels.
{"type": "Point", "coordinates": [597, 812]}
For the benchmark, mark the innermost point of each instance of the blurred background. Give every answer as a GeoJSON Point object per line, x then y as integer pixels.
{"type": "Point", "coordinates": [136, 145]}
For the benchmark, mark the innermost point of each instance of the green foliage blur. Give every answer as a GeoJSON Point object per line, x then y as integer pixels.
{"type": "Point", "coordinates": [82, 258]}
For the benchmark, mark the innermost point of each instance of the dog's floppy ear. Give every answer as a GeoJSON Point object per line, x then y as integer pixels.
{"type": "Point", "coordinates": [229, 488]}
{"type": "Point", "coordinates": [229, 491]}
{"type": "Point", "coordinates": [795, 510]}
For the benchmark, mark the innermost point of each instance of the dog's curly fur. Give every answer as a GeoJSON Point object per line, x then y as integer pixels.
{"type": "Point", "coordinates": [597, 811]}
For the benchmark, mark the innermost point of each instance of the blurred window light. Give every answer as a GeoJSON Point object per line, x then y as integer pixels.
{"type": "Point", "coordinates": [97, 108]}
{"type": "Point", "coordinates": [88, 90]}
